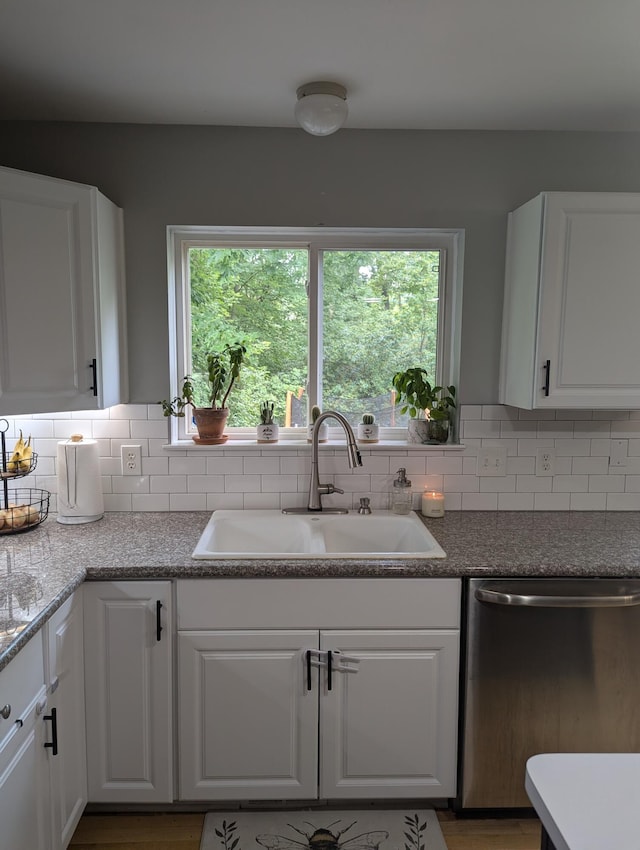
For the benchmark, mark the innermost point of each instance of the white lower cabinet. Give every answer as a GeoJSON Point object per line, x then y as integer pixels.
{"type": "Point", "coordinates": [128, 685]}
{"type": "Point", "coordinates": [24, 775]}
{"type": "Point", "coordinates": [65, 713]}
{"type": "Point", "coordinates": [364, 708]}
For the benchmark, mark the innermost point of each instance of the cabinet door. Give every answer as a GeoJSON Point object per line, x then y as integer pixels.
{"type": "Point", "coordinates": [68, 766]}
{"type": "Point", "coordinates": [388, 725]}
{"type": "Point", "coordinates": [61, 299]}
{"type": "Point", "coordinates": [128, 691]}
{"type": "Point", "coordinates": [591, 300]}
{"type": "Point", "coordinates": [24, 782]}
{"type": "Point", "coordinates": [248, 725]}
{"type": "Point", "coordinates": [572, 298]}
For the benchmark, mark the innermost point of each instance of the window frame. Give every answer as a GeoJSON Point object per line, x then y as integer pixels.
{"type": "Point", "coordinates": [450, 242]}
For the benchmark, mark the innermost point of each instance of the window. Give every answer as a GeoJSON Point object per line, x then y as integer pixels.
{"type": "Point", "coordinates": [328, 316]}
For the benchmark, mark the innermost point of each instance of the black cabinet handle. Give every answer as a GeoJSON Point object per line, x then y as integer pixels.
{"type": "Point", "coordinates": [309, 682]}
{"type": "Point", "coordinates": [547, 371]}
{"type": "Point", "coordinates": [94, 372]}
{"type": "Point", "coordinates": [158, 621]}
{"type": "Point", "coordinates": [53, 744]}
{"type": "Point", "coordinates": [329, 669]}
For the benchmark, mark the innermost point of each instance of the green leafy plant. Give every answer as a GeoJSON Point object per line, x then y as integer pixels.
{"type": "Point", "coordinates": [223, 369]}
{"type": "Point", "coordinates": [177, 405]}
{"type": "Point", "coordinates": [266, 412]}
{"type": "Point", "coordinates": [416, 393]}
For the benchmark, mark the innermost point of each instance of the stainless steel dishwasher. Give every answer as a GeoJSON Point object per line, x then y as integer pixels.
{"type": "Point", "coordinates": [551, 665]}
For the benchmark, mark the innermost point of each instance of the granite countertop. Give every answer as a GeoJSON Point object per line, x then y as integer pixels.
{"type": "Point", "coordinates": [40, 568]}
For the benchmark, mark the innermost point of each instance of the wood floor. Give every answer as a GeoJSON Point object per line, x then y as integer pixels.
{"type": "Point", "coordinates": [182, 832]}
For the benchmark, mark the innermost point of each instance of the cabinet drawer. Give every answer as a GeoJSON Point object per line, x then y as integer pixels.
{"type": "Point", "coordinates": [318, 603]}
{"type": "Point", "coordinates": [20, 682]}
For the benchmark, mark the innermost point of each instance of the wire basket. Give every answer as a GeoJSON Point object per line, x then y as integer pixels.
{"type": "Point", "coordinates": [26, 508]}
{"type": "Point", "coordinates": [16, 468]}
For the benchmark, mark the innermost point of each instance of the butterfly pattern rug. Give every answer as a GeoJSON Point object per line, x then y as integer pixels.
{"type": "Point", "coordinates": [323, 829]}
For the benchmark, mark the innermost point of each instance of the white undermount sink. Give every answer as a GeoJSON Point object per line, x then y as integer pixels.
{"type": "Point", "coordinates": [272, 534]}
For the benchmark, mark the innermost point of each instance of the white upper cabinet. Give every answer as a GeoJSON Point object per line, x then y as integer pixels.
{"type": "Point", "coordinates": [62, 308]}
{"type": "Point", "coordinates": [572, 303]}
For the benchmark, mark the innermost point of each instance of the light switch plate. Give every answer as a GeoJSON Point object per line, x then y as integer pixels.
{"type": "Point", "coordinates": [492, 460]}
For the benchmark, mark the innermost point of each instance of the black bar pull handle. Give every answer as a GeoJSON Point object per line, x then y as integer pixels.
{"type": "Point", "coordinates": [309, 682]}
{"type": "Point", "coordinates": [53, 744]}
{"type": "Point", "coordinates": [158, 621]}
{"type": "Point", "coordinates": [329, 670]}
{"type": "Point", "coordinates": [94, 372]}
{"type": "Point", "coordinates": [547, 372]}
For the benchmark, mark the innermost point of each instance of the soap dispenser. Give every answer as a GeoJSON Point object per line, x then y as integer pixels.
{"type": "Point", "coordinates": [401, 499]}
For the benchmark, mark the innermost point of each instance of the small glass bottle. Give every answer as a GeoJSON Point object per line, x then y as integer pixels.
{"type": "Point", "coordinates": [401, 497]}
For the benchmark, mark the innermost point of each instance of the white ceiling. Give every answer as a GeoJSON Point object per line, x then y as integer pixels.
{"type": "Point", "coordinates": [429, 64]}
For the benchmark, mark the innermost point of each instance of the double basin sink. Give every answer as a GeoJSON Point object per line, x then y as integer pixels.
{"type": "Point", "coordinates": [272, 534]}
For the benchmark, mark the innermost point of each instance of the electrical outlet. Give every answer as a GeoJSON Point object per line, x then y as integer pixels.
{"type": "Point", "coordinates": [131, 460]}
{"type": "Point", "coordinates": [492, 460]}
{"type": "Point", "coordinates": [545, 461]}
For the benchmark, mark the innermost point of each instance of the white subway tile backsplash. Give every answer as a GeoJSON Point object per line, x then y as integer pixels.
{"type": "Point", "coordinates": [479, 428]}
{"type": "Point", "coordinates": [130, 484]}
{"type": "Point", "coordinates": [589, 465]}
{"type": "Point", "coordinates": [623, 501]}
{"type": "Point", "coordinates": [187, 501]}
{"type": "Point", "coordinates": [168, 484]}
{"type": "Point", "coordinates": [479, 501]}
{"type": "Point", "coordinates": [533, 484]}
{"type": "Point", "coordinates": [252, 476]}
{"type": "Point", "coordinates": [606, 483]}
{"type": "Point", "coordinates": [262, 501]}
{"type": "Point", "coordinates": [588, 501]}
{"type": "Point", "coordinates": [515, 501]}
{"type": "Point", "coordinates": [148, 502]}
{"type": "Point", "coordinates": [205, 483]}
{"type": "Point", "coordinates": [242, 483]}
{"type": "Point", "coordinates": [155, 465]}
{"type": "Point", "coordinates": [225, 501]}
{"type": "Point", "coordinates": [551, 501]}
{"type": "Point", "coordinates": [225, 465]}
{"type": "Point", "coordinates": [570, 483]}
{"type": "Point", "coordinates": [521, 465]}
{"type": "Point", "coordinates": [262, 465]}
{"type": "Point", "coordinates": [272, 483]}
{"type": "Point", "coordinates": [110, 428]}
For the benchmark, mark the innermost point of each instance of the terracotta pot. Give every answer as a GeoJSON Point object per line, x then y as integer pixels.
{"type": "Point", "coordinates": [210, 423]}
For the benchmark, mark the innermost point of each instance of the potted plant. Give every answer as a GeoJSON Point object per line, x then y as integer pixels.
{"type": "Point", "coordinates": [368, 429]}
{"type": "Point", "coordinates": [429, 407]}
{"type": "Point", "coordinates": [323, 434]}
{"type": "Point", "coordinates": [267, 429]}
{"type": "Point", "coordinates": [223, 369]}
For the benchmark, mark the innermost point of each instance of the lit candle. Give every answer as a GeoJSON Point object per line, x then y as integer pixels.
{"type": "Point", "coordinates": [432, 503]}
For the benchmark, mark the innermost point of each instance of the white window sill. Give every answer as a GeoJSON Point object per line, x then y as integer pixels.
{"type": "Point", "coordinates": [297, 445]}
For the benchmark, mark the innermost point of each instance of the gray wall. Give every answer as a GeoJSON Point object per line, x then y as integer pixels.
{"type": "Point", "coordinates": [183, 175]}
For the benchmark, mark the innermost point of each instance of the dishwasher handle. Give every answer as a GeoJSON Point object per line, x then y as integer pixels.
{"type": "Point", "coordinates": [581, 595]}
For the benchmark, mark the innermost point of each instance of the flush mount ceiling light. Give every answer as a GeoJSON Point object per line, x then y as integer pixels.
{"type": "Point", "coordinates": [321, 108]}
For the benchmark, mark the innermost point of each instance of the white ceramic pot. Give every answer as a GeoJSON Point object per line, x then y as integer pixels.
{"type": "Point", "coordinates": [323, 434]}
{"type": "Point", "coordinates": [368, 433]}
{"type": "Point", "coordinates": [417, 431]}
{"type": "Point", "coordinates": [268, 433]}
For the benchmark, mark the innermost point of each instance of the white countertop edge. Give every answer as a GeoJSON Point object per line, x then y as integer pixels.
{"type": "Point", "coordinates": [587, 801]}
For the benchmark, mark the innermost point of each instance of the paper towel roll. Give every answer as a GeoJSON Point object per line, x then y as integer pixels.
{"type": "Point", "coordinates": [79, 485]}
